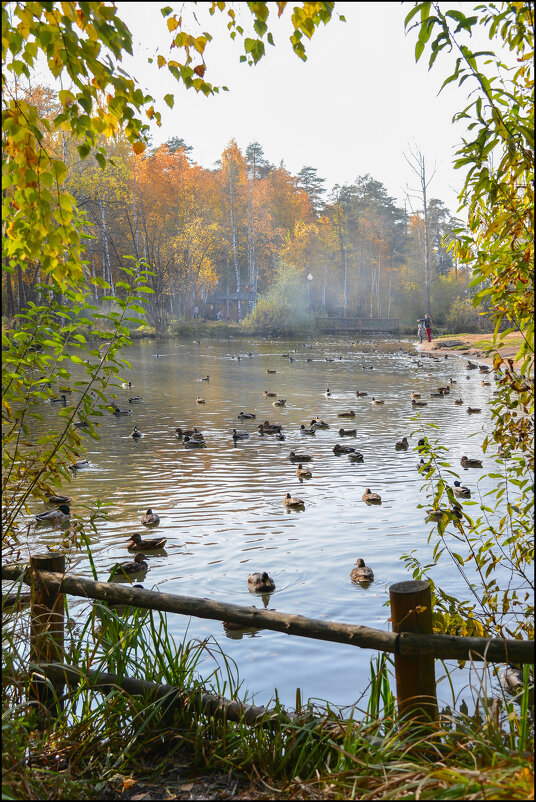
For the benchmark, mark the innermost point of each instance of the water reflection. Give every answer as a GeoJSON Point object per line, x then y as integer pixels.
{"type": "Point", "coordinates": [220, 504]}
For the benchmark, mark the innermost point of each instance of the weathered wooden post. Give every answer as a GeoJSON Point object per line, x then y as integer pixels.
{"type": "Point", "coordinates": [46, 626]}
{"type": "Point", "coordinates": [411, 611]}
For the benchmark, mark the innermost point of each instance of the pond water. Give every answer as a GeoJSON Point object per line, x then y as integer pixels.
{"type": "Point", "coordinates": [221, 507]}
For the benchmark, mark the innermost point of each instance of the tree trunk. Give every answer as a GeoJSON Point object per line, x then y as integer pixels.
{"type": "Point", "coordinates": [233, 234]}
{"type": "Point", "coordinates": [106, 265]}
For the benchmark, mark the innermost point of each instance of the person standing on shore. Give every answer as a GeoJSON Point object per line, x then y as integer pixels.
{"type": "Point", "coordinates": [428, 326]}
{"type": "Point", "coordinates": [420, 330]}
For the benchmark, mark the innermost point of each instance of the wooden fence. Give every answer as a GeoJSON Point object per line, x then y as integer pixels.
{"type": "Point", "coordinates": [412, 642]}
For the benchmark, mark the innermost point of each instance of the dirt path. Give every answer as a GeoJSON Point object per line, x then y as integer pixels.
{"type": "Point", "coordinates": [470, 345]}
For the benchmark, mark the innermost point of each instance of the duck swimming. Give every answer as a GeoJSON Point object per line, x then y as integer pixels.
{"type": "Point", "coordinates": [327, 393]}
{"type": "Point", "coordinates": [347, 432]}
{"type": "Point", "coordinates": [136, 432]}
{"type": "Point", "coordinates": [135, 399]}
{"type": "Point", "coordinates": [299, 457]}
{"type": "Point", "coordinates": [288, 501]}
{"type": "Point", "coordinates": [246, 416]}
{"type": "Point", "coordinates": [473, 410]}
{"type": "Point", "coordinates": [402, 445]}
{"type": "Point", "coordinates": [466, 462]}
{"type": "Point", "coordinates": [350, 414]}
{"type": "Point", "coordinates": [371, 498]}
{"type": "Point", "coordinates": [356, 456]}
{"type": "Point", "coordinates": [240, 435]}
{"type": "Point", "coordinates": [458, 401]}
{"type": "Point", "coordinates": [338, 449]}
{"type": "Point", "coordinates": [461, 491]}
{"type": "Point", "coordinates": [187, 432]}
{"type": "Point", "coordinates": [261, 583]}
{"type": "Point", "coordinates": [376, 401]}
{"type": "Point", "coordinates": [135, 567]}
{"type": "Point", "coordinates": [61, 400]}
{"type": "Point", "coordinates": [117, 411]}
{"type": "Point", "coordinates": [271, 371]}
{"type": "Point", "coordinates": [318, 423]}
{"type": "Point", "coordinates": [269, 395]}
{"type": "Point", "coordinates": [303, 473]}
{"type": "Point", "coordinates": [76, 466]}
{"type": "Point", "coordinates": [53, 516]}
{"type": "Point", "coordinates": [199, 400]}
{"type": "Point", "coordinates": [415, 395]}
{"type": "Point", "coordinates": [59, 499]}
{"type": "Point", "coordinates": [195, 441]}
{"type": "Point", "coordinates": [150, 518]}
{"type": "Point", "coordinates": [361, 573]}
{"type": "Point", "coordinates": [137, 543]}
{"type": "Point", "coordinates": [280, 402]}
{"type": "Point", "coordinates": [206, 378]}
{"type": "Point", "coordinates": [358, 394]}
{"type": "Point", "coordinates": [307, 429]}
{"type": "Point", "coordinates": [419, 403]}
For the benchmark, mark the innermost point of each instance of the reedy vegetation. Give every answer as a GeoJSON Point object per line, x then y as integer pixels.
{"type": "Point", "coordinates": [44, 253]}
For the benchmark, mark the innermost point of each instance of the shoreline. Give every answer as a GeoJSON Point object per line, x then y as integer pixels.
{"type": "Point", "coordinates": [452, 346]}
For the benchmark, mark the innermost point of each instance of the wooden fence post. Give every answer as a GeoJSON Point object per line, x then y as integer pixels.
{"type": "Point", "coordinates": [411, 611]}
{"type": "Point", "coordinates": [46, 627]}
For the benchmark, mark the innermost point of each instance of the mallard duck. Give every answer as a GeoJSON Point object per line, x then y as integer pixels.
{"type": "Point", "coordinates": [444, 390]}
{"type": "Point", "coordinates": [359, 395]}
{"type": "Point", "coordinates": [473, 410]}
{"type": "Point", "coordinates": [423, 464]}
{"type": "Point", "coordinates": [271, 371]}
{"type": "Point", "coordinates": [299, 457]}
{"type": "Point", "coordinates": [261, 583]}
{"type": "Point", "coordinates": [303, 473]}
{"type": "Point", "coordinates": [269, 395]}
{"type": "Point", "coordinates": [458, 402]}
{"type": "Point", "coordinates": [422, 443]}
{"type": "Point", "coordinates": [485, 384]}
{"type": "Point", "coordinates": [371, 498]}
{"type": "Point", "coordinates": [126, 385]}
{"type": "Point", "coordinates": [136, 432]}
{"type": "Point", "coordinates": [137, 543]}
{"type": "Point", "coordinates": [419, 403]}
{"type": "Point", "coordinates": [356, 456]}
{"type": "Point", "coordinates": [194, 442]}
{"type": "Point", "coordinates": [135, 399]}
{"type": "Point", "coordinates": [452, 381]}
{"type": "Point", "coordinates": [347, 432]}
{"type": "Point", "coordinates": [367, 367]}
{"type": "Point", "coordinates": [288, 501]}
{"type": "Point", "coordinates": [350, 414]}
{"type": "Point", "coordinates": [269, 428]}
{"type": "Point", "coordinates": [58, 499]}
{"type": "Point", "coordinates": [240, 435]}
{"type": "Point", "coordinates": [376, 401]}
{"type": "Point", "coordinates": [199, 400]}
{"type": "Point", "coordinates": [187, 432]}
{"type": "Point", "coordinates": [327, 393]}
{"type": "Point", "coordinates": [77, 466]}
{"type": "Point", "coordinates": [53, 516]}
{"type": "Point", "coordinates": [135, 567]}
{"type": "Point", "coordinates": [512, 680]}
{"type": "Point", "coordinates": [484, 369]}
{"type": "Point", "coordinates": [80, 424]}
{"type": "Point", "coordinates": [471, 365]}
{"type": "Point", "coordinates": [150, 518]}
{"type": "Point", "coordinates": [246, 416]}
{"type": "Point", "coordinates": [338, 449]}
{"type": "Point", "coordinates": [461, 491]}
{"type": "Point", "coordinates": [280, 402]}
{"type": "Point", "coordinates": [468, 462]}
{"type": "Point", "coordinates": [318, 423]}
{"type": "Point", "coordinates": [206, 378]}
{"type": "Point", "coordinates": [118, 411]}
{"type": "Point", "coordinates": [280, 436]}
{"type": "Point", "coordinates": [402, 445]}
{"type": "Point", "coordinates": [307, 429]}
{"type": "Point", "coordinates": [361, 573]}
{"type": "Point", "coordinates": [61, 400]}
{"type": "Point", "coordinates": [436, 395]}
{"type": "Point", "coordinates": [415, 395]}
{"type": "Point", "coordinates": [437, 515]}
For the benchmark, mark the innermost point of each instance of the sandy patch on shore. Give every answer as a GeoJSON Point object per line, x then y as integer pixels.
{"type": "Point", "coordinates": [471, 350]}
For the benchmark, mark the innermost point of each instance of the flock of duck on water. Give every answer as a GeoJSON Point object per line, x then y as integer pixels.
{"type": "Point", "coordinates": [193, 438]}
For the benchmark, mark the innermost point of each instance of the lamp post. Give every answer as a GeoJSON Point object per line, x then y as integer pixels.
{"type": "Point", "coordinates": [309, 279]}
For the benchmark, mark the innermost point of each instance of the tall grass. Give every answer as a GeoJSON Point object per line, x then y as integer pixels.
{"type": "Point", "coordinates": [315, 750]}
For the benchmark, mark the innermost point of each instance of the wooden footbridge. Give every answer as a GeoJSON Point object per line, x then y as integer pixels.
{"type": "Point", "coordinates": [359, 325]}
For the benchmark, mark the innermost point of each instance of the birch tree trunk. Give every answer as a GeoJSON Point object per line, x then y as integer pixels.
{"type": "Point", "coordinates": [233, 234]}
{"type": "Point", "coordinates": [345, 293]}
{"type": "Point", "coordinates": [106, 265]}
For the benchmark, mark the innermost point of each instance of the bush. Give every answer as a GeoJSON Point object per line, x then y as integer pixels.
{"type": "Point", "coordinates": [276, 318]}
{"type": "Point", "coordinates": [462, 316]}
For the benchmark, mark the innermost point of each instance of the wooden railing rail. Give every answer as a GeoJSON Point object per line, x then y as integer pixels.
{"type": "Point", "coordinates": [411, 644]}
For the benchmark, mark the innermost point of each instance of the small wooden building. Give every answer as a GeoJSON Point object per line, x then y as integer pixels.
{"type": "Point", "coordinates": [234, 305]}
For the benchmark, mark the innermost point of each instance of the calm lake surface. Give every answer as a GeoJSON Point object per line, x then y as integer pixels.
{"type": "Point", "coordinates": [221, 507]}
